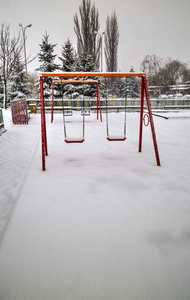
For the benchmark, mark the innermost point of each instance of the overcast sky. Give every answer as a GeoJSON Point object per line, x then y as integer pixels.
{"type": "Point", "coordinates": [160, 27]}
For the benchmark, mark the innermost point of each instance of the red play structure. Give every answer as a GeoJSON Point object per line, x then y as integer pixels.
{"type": "Point", "coordinates": [144, 119]}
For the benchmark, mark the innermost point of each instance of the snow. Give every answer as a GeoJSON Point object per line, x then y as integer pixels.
{"type": "Point", "coordinates": [90, 74]}
{"type": "Point", "coordinates": [103, 221]}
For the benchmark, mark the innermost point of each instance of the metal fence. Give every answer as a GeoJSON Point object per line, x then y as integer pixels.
{"type": "Point", "coordinates": [112, 103]}
{"type": "Point", "coordinates": [20, 112]}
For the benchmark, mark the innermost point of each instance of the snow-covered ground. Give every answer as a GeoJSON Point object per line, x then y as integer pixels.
{"type": "Point", "coordinates": [103, 221]}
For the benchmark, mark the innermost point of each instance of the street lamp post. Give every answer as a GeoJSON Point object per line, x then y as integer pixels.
{"type": "Point", "coordinates": [24, 41]}
{"type": "Point", "coordinates": [101, 36]}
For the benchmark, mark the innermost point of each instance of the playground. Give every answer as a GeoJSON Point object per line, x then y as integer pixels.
{"type": "Point", "coordinates": [102, 221]}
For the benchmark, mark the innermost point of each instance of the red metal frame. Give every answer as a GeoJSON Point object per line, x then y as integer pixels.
{"type": "Point", "coordinates": [144, 91]}
{"type": "Point", "coordinates": [52, 102]}
{"type": "Point", "coordinates": [141, 115]}
{"type": "Point", "coordinates": [43, 125]}
{"type": "Point", "coordinates": [146, 116]}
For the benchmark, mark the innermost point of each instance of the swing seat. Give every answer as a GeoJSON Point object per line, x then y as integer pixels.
{"type": "Point", "coordinates": [112, 138]}
{"type": "Point", "coordinates": [68, 113]}
{"type": "Point", "coordinates": [74, 139]}
{"type": "Point", "coordinates": [85, 113]}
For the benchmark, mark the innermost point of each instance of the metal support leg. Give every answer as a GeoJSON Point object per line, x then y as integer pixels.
{"type": "Point", "coordinates": [141, 115]}
{"type": "Point", "coordinates": [52, 102]}
{"type": "Point", "coordinates": [43, 125]}
{"type": "Point", "coordinates": [151, 121]}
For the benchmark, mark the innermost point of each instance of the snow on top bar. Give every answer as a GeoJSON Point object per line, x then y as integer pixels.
{"type": "Point", "coordinates": [91, 74]}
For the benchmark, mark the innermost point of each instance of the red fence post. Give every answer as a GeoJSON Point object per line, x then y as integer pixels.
{"type": "Point", "coordinates": [18, 113]}
{"type": "Point", "coordinates": [22, 112]}
{"type": "Point", "coordinates": [151, 121]}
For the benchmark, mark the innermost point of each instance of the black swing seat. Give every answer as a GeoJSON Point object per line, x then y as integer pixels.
{"type": "Point", "coordinates": [116, 138]}
{"type": "Point", "coordinates": [74, 139]}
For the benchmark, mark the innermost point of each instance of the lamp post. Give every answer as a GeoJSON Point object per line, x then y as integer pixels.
{"type": "Point", "coordinates": [101, 36]}
{"type": "Point", "coordinates": [24, 41]}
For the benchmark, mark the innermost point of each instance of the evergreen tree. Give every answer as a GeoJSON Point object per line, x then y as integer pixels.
{"type": "Point", "coordinates": [68, 57]}
{"type": "Point", "coordinates": [47, 58]}
{"type": "Point", "coordinates": [18, 81]}
{"type": "Point", "coordinates": [85, 63]}
{"type": "Point", "coordinates": [120, 87]}
{"type": "Point", "coordinates": [132, 86]}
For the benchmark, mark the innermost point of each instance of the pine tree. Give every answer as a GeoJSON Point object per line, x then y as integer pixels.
{"type": "Point", "coordinates": [47, 58]}
{"type": "Point", "coordinates": [129, 88]}
{"type": "Point", "coordinates": [120, 87]}
{"type": "Point", "coordinates": [132, 86]}
{"type": "Point", "coordinates": [18, 81]}
{"type": "Point", "coordinates": [68, 57]}
{"type": "Point", "coordinates": [85, 63]}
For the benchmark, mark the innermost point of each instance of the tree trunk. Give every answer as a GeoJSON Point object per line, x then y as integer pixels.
{"type": "Point", "coordinates": [5, 95]}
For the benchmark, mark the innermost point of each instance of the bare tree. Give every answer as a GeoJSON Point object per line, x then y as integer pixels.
{"type": "Point", "coordinates": [175, 70]}
{"type": "Point", "coordinates": [32, 87]}
{"type": "Point", "coordinates": [152, 65]}
{"type": "Point", "coordinates": [162, 74]}
{"type": "Point", "coordinates": [111, 42]}
{"type": "Point", "coordinates": [10, 49]}
{"type": "Point", "coordinates": [85, 31]}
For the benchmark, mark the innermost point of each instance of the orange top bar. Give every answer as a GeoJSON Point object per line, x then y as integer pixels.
{"type": "Point", "coordinates": [75, 81]}
{"type": "Point", "coordinates": [91, 74]}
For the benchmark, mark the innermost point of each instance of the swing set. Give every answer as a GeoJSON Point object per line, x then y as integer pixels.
{"type": "Point", "coordinates": [98, 103]}
{"type": "Point", "coordinates": [117, 138]}
{"type": "Point", "coordinates": [145, 119]}
{"type": "Point", "coordinates": [83, 111]}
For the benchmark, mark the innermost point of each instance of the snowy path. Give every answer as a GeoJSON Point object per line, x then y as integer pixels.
{"type": "Point", "coordinates": [17, 147]}
{"type": "Point", "coordinates": [103, 222]}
